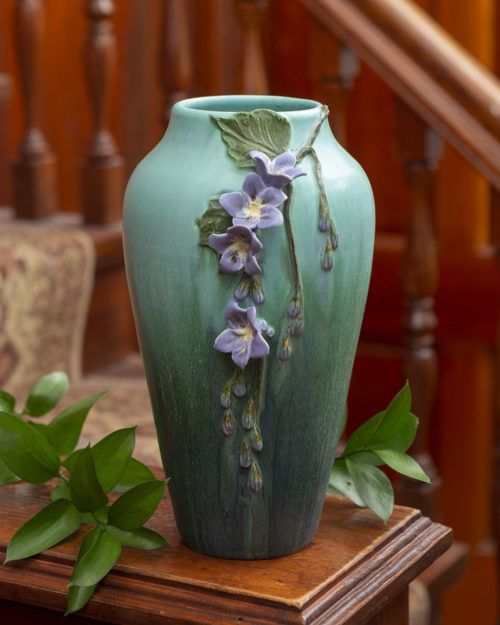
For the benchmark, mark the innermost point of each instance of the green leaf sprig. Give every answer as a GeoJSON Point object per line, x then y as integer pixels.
{"type": "Point", "coordinates": [82, 480]}
{"type": "Point", "coordinates": [383, 439]}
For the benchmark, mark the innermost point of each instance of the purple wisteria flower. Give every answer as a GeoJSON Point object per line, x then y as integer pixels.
{"type": "Point", "coordinates": [237, 246]}
{"type": "Point", "coordinates": [256, 206]}
{"type": "Point", "coordinates": [243, 339]}
{"type": "Point", "coordinates": [279, 172]}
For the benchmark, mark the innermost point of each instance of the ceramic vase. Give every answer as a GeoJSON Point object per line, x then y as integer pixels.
{"type": "Point", "coordinates": [248, 235]}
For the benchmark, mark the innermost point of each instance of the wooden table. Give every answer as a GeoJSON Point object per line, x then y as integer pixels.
{"type": "Point", "coordinates": [356, 571]}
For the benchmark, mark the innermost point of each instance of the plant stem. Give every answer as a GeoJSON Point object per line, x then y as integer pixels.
{"type": "Point", "coordinates": [302, 151]}
{"type": "Point", "coordinates": [293, 249]}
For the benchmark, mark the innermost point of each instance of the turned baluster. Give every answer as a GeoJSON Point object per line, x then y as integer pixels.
{"type": "Point", "coordinates": [34, 170]}
{"type": "Point", "coordinates": [420, 150]}
{"type": "Point", "coordinates": [102, 173]}
{"type": "Point", "coordinates": [334, 68]}
{"type": "Point", "coordinates": [252, 75]}
{"type": "Point", "coordinates": [495, 241]}
{"type": "Point", "coordinates": [5, 92]}
{"type": "Point", "coordinates": [177, 66]}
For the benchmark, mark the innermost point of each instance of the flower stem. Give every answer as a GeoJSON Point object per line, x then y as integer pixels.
{"type": "Point", "coordinates": [302, 151]}
{"type": "Point", "coordinates": [297, 301]}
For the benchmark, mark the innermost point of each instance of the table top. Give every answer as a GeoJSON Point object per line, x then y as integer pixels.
{"type": "Point", "coordinates": [354, 562]}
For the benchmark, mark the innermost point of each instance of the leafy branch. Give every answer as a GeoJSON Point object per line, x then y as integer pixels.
{"type": "Point", "coordinates": [81, 483]}
{"type": "Point", "coordinates": [383, 439]}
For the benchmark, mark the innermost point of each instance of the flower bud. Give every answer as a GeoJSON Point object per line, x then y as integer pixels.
{"type": "Point", "coordinates": [241, 290]}
{"type": "Point", "coordinates": [297, 327]}
{"type": "Point", "coordinates": [256, 439]}
{"type": "Point", "coordinates": [257, 292]}
{"type": "Point", "coordinates": [286, 349]}
{"type": "Point", "coordinates": [323, 221]}
{"type": "Point", "coordinates": [240, 389]}
{"type": "Point", "coordinates": [294, 308]}
{"type": "Point", "coordinates": [255, 478]}
{"type": "Point", "coordinates": [248, 416]}
{"type": "Point", "coordinates": [228, 423]}
{"type": "Point", "coordinates": [327, 259]}
{"type": "Point", "coordinates": [246, 455]}
{"type": "Point", "coordinates": [225, 398]}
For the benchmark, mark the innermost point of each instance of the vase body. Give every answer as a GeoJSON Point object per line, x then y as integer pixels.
{"type": "Point", "coordinates": [179, 296]}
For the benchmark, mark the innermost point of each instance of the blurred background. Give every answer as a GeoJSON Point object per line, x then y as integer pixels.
{"type": "Point", "coordinates": [85, 91]}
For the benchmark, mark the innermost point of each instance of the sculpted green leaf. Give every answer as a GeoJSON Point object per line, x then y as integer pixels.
{"type": "Point", "coordinates": [86, 491]}
{"type": "Point", "coordinates": [47, 528]}
{"type": "Point", "coordinates": [373, 486]}
{"type": "Point", "coordinates": [135, 473]}
{"type": "Point", "coordinates": [261, 130]}
{"type": "Point", "coordinates": [25, 451]}
{"type": "Point", "coordinates": [403, 463]}
{"type": "Point", "coordinates": [97, 561]}
{"type": "Point", "coordinates": [45, 394]}
{"type": "Point", "coordinates": [214, 220]}
{"type": "Point", "coordinates": [132, 509]}
{"type": "Point", "coordinates": [65, 428]}
{"type": "Point", "coordinates": [142, 538]}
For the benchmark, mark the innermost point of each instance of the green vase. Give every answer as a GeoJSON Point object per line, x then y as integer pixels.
{"type": "Point", "coordinates": [248, 436]}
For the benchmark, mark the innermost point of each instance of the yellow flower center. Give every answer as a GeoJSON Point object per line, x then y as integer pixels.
{"type": "Point", "coordinates": [254, 209]}
{"type": "Point", "coordinates": [240, 247]}
{"type": "Point", "coordinates": [246, 333]}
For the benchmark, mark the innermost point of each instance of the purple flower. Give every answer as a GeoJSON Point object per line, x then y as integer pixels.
{"type": "Point", "coordinates": [279, 172]}
{"type": "Point", "coordinates": [256, 206]}
{"type": "Point", "coordinates": [243, 339]}
{"type": "Point", "coordinates": [237, 247]}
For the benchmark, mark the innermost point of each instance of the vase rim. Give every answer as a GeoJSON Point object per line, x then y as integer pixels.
{"type": "Point", "coordinates": [206, 106]}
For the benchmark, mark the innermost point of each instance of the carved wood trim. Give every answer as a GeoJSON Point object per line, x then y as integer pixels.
{"type": "Point", "coordinates": [102, 172]}
{"type": "Point", "coordinates": [34, 170]}
{"type": "Point", "coordinates": [346, 584]}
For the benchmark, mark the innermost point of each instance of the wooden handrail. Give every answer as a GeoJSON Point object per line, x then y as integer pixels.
{"type": "Point", "coordinates": [413, 83]}
{"type": "Point", "coordinates": [444, 57]}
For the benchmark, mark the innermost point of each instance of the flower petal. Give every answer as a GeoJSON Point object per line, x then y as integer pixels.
{"type": "Point", "coordinates": [235, 315]}
{"type": "Point", "coordinates": [233, 202]}
{"type": "Point", "coordinates": [253, 185]}
{"type": "Point", "coordinates": [278, 181]}
{"type": "Point", "coordinates": [231, 261]}
{"type": "Point", "coordinates": [227, 341]}
{"type": "Point", "coordinates": [241, 232]}
{"type": "Point", "coordinates": [271, 196]}
{"type": "Point", "coordinates": [251, 265]}
{"type": "Point", "coordinates": [294, 172]}
{"type": "Point", "coordinates": [241, 356]}
{"type": "Point", "coordinates": [260, 347]}
{"type": "Point", "coordinates": [270, 217]}
{"type": "Point", "coordinates": [251, 222]}
{"type": "Point", "coordinates": [262, 162]}
{"type": "Point", "coordinates": [219, 242]}
{"type": "Point", "coordinates": [252, 318]}
{"type": "Point", "coordinates": [283, 161]}
{"type": "Point", "coordinates": [255, 245]}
